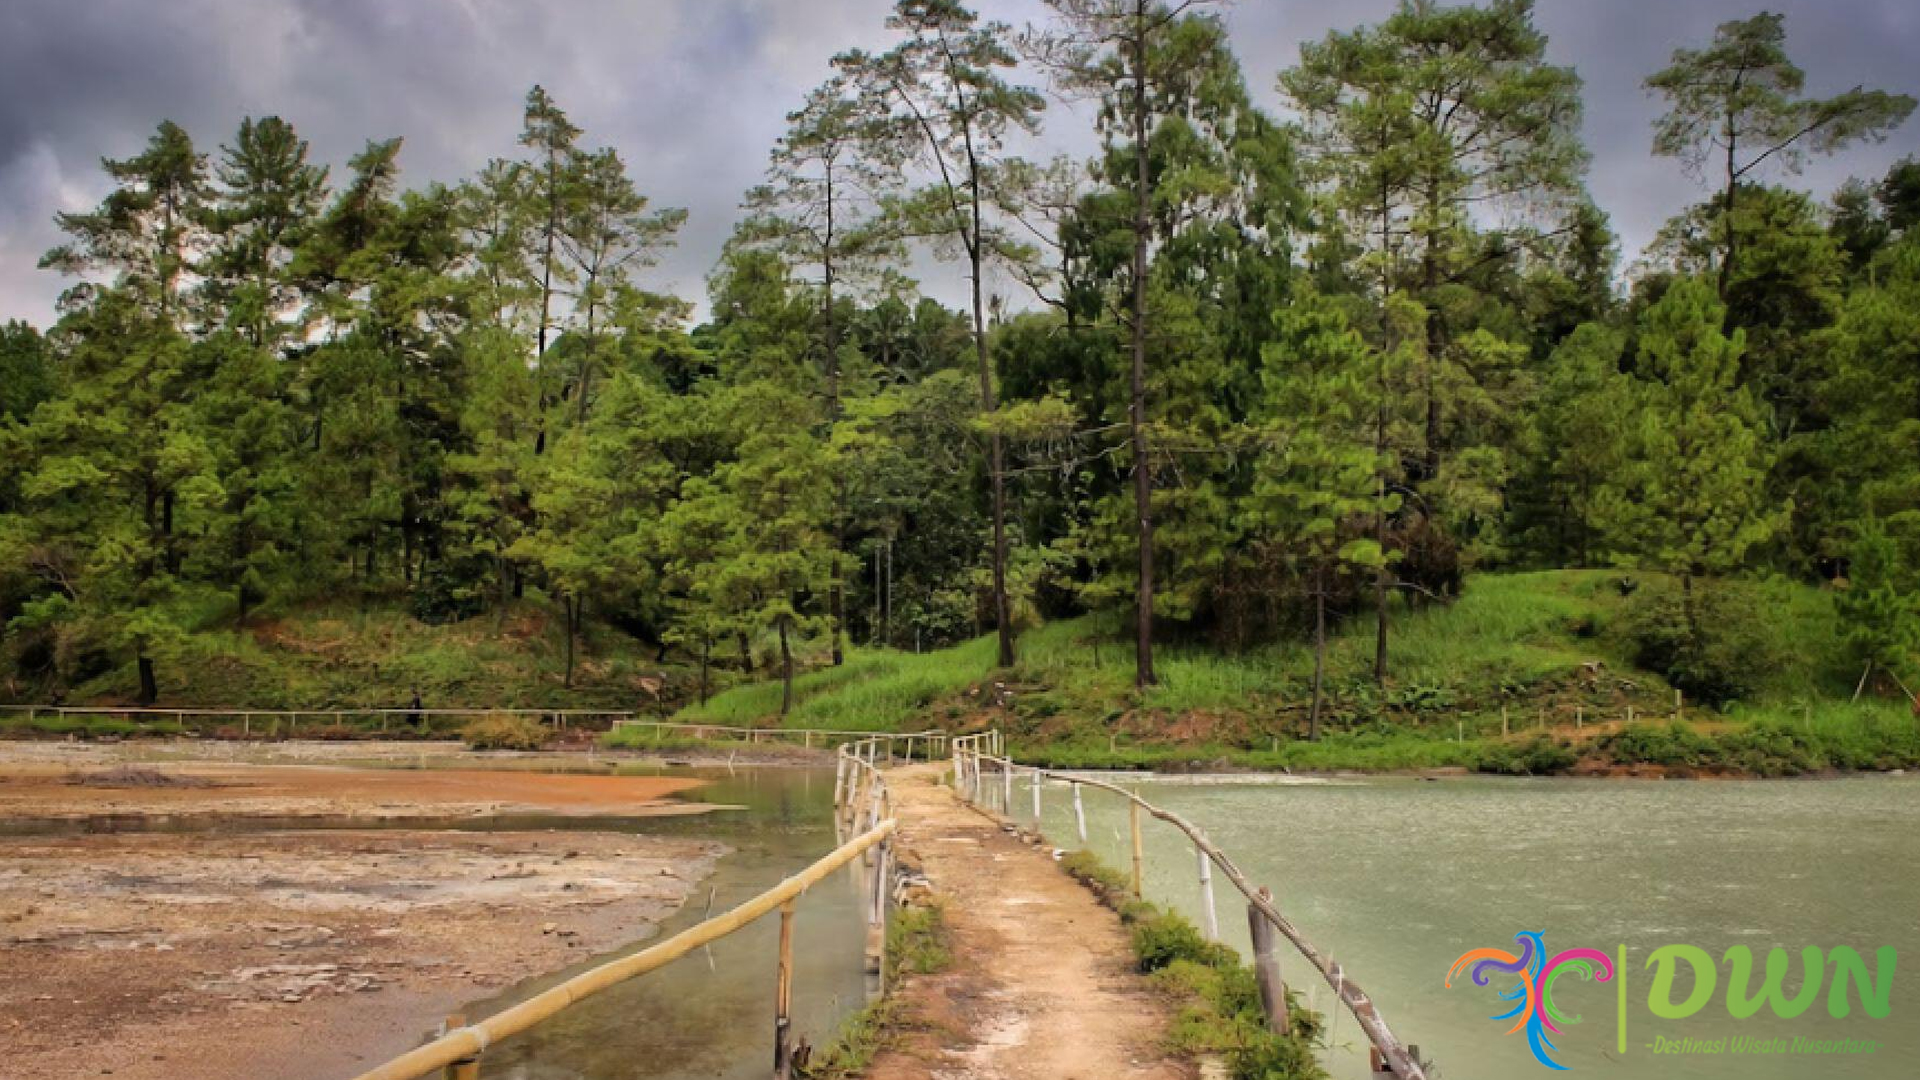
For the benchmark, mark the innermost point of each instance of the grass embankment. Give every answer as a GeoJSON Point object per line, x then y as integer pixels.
{"type": "Point", "coordinates": [1548, 650]}
{"type": "Point", "coordinates": [374, 654]}
{"type": "Point", "coordinates": [1220, 1011]}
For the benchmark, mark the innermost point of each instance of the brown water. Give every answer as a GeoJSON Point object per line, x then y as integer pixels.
{"type": "Point", "coordinates": [1397, 877]}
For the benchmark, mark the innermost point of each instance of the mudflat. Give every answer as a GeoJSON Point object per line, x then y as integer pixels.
{"type": "Point", "coordinates": [300, 953]}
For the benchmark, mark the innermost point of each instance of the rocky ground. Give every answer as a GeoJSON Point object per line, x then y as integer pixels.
{"type": "Point", "coordinates": [225, 951]}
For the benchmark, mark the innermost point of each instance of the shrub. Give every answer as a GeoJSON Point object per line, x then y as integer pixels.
{"type": "Point", "coordinates": [500, 731]}
{"type": "Point", "coordinates": [1722, 654]}
{"type": "Point", "coordinates": [1538, 756]}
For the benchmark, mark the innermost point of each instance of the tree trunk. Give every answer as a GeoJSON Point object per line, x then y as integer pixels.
{"type": "Point", "coordinates": [1319, 651]}
{"type": "Point", "coordinates": [706, 654]}
{"type": "Point", "coordinates": [1733, 187]}
{"type": "Point", "coordinates": [170, 551]}
{"type": "Point", "coordinates": [996, 452]}
{"type": "Point", "coordinates": [746, 651]}
{"type": "Point", "coordinates": [786, 672]}
{"type": "Point", "coordinates": [1143, 675]}
{"type": "Point", "coordinates": [571, 621]}
{"type": "Point", "coordinates": [149, 686]}
{"type": "Point", "coordinates": [836, 588]}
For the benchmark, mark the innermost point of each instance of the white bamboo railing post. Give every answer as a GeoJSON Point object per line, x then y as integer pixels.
{"type": "Point", "coordinates": [1036, 798]}
{"type": "Point", "coordinates": [1139, 849]}
{"type": "Point", "coordinates": [1210, 921]}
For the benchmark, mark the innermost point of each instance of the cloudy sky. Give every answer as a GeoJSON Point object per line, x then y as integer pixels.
{"type": "Point", "coordinates": [693, 92]}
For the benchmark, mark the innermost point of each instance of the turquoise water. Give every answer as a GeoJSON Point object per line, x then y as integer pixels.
{"type": "Point", "coordinates": [1397, 877]}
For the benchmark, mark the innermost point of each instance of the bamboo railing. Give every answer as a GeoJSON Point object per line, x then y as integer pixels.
{"type": "Point", "coordinates": [931, 743]}
{"type": "Point", "coordinates": [975, 755]}
{"type": "Point", "coordinates": [860, 804]}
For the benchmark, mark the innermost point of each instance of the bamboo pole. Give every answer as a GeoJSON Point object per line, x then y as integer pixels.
{"type": "Point", "coordinates": [1006, 787]}
{"type": "Point", "coordinates": [1210, 921]}
{"type": "Point", "coordinates": [783, 999]}
{"type": "Point", "coordinates": [1139, 850]}
{"type": "Point", "coordinates": [1037, 780]}
{"type": "Point", "coordinates": [471, 1040]}
{"type": "Point", "coordinates": [1266, 969]}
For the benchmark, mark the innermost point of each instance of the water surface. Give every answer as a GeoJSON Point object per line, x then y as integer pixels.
{"type": "Point", "coordinates": [1397, 877]}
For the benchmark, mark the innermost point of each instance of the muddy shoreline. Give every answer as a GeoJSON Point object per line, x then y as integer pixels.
{"type": "Point", "coordinates": [302, 952]}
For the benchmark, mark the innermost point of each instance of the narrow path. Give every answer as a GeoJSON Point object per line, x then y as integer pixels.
{"type": "Point", "coordinates": [1042, 986]}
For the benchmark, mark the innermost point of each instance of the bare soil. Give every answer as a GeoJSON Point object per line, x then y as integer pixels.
{"type": "Point", "coordinates": [302, 953]}
{"type": "Point", "coordinates": [1043, 984]}
{"type": "Point", "coordinates": [76, 780]}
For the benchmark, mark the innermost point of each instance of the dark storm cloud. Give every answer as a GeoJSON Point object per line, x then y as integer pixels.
{"type": "Point", "coordinates": [692, 92]}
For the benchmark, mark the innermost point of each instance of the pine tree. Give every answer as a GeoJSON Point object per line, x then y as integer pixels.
{"type": "Point", "coordinates": [1318, 467]}
{"type": "Point", "coordinates": [1582, 445]}
{"type": "Point", "coordinates": [1880, 608]}
{"type": "Point", "coordinates": [940, 100]}
{"type": "Point", "coordinates": [1692, 499]}
{"type": "Point", "coordinates": [818, 210]}
{"type": "Point", "coordinates": [1738, 100]}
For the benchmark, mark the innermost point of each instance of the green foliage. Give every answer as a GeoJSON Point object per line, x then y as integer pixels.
{"type": "Point", "coordinates": [1710, 642]}
{"type": "Point", "coordinates": [1879, 609]}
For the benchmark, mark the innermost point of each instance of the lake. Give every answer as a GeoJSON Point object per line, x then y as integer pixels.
{"type": "Point", "coordinates": [1395, 878]}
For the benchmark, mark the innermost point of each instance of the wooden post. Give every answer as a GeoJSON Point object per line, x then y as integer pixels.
{"type": "Point", "coordinates": [1079, 814]}
{"type": "Point", "coordinates": [1006, 787]}
{"type": "Point", "coordinates": [839, 777]}
{"type": "Point", "coordinates": [783, 999]}
{"type": "Point", "coordinates": [1139, 852]}
{"type": "Point", "coordinates": [1210, 922]}
{"type": "Point", "coordinates": [1036, 798]}
{"type": "Point", "coordinates": [1266, 969]}
{"type": "Point", "coordinates": [467, 1068]}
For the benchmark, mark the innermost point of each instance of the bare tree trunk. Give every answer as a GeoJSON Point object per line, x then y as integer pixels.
{"type": "Point", "coordinates": [1143, 675]}
{"type": "Point", "coordinates": [706, 654]}
{"type": "Point", "coordinates": [786, 672]}
{"type": "Point", "coordinates": [836, 590]}
{"type": "Point", "coordinates": [996, 459]}
{"type": "Point", "coordinates": [149, 686]}
{"type": "Point", "coordinates": [568, 603]}
{"type": "Point", "coordinates": [1319, 651]}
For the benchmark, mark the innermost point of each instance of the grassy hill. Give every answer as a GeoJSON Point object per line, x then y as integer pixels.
{"type": "Point", "coordinates": [351, 654]}
{"type": "Point", "coordinates": [1548, 649]}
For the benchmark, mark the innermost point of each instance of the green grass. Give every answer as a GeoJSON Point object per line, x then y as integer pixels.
{"type": "Point", "coordinates": [372, 653]}
{"type": "Point", "coordinates": [874, 690]}
{"type": "Point", "coordinates": [918, 943]}
{"type": "Point", "coordinates": [1217, 997]}
{"type": "Point", "coordinates": [1543, 647]}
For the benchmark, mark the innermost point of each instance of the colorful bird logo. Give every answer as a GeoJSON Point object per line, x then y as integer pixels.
{"type": "Point", "coordinates": [1532, 995]}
